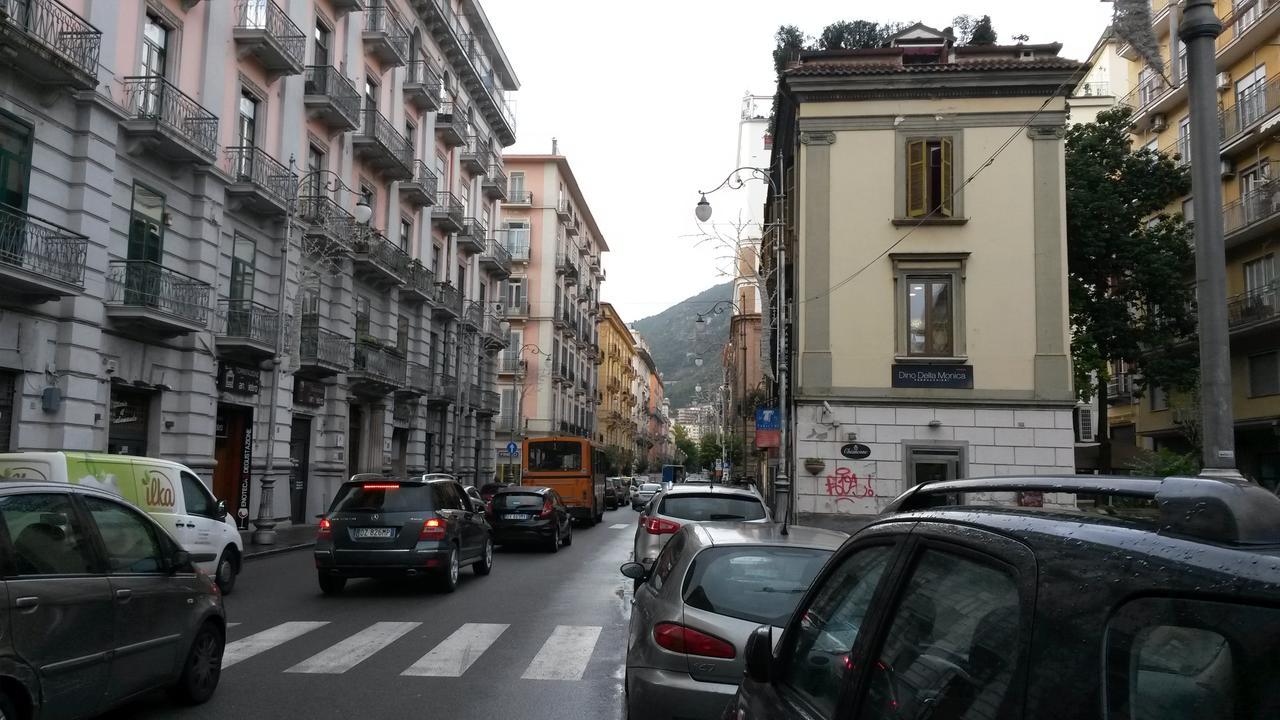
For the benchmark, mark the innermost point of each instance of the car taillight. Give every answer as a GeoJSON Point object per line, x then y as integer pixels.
{"type": "Point", "coordinates": [326, 529]}
{"type": "Point", "coordinates": [681, 639]}
{"type": "Point", "coordinates": [432, 529]}
{"type": "Point", "coordinates": [658, 526]}
{"type": "Point", "coordinates": [546, 509]}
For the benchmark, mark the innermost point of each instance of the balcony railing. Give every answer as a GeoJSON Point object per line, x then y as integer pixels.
{"type": "Point", "coordinates": [490, 401]}
{"type": "Point", "coordinates": [271, 25]}
{"type": "Point", "coordinates": [419, 190]}
{"type": "Point", "coordinates": [496, 256]}
{"type": "Point", "coordinates": [447, 211]}
{"type": "Point", "coordinates": [267, 176]}
{"type": "Point", "coordinates": [419, 378]}
{"type": "Point", "coordinates": [157, 100]}
{"type": "Point", "coordinates": [1250, 108]}
{"type": "Point", "coordinates": [446, 387]}
{"type": "Point", "coordinates": [422, 85]}
{"type": "Point", "coordinates": [41, 248]}
{"type": "Point", "coordinates": [473, 315]}
{"type": "Point", "coordinates": [508, 362]}
{"type": "Point", "coordinates": [449, 298]}
{"type": "Point", "coordinates": [518, 308]}
{"type": "Point", "coordinates": [1242, 18]}
{"type": "Point", "coordinates": [420, 281]}
{"type": "Point", "coordinates": [148, 284]}
{"type": "Point", "coordinates": [1093, 89]}
{"type": "Point", "coordinates": [517, 243]}
{"type": "Point", "coordinates": [386, 34]}
{"type": "Point", "coordinates": [390, 147]}
{"type": "Point", "coordinates": [471, 236]}
{"type": "Point", "coordinates": [376, 363]}
{"type": "Point", "coordinates": [451, 123]}
{"type": "Point", "coordinates": [329, 94]}
{"type": "Point", "coordinates": [1255, 306]}
{"type": "Point", "coordinates": [327, 219]}
{"type": "Point", "coordinates": [1120, 386]}
{"type": "Point", "coordinates": [323, 350]}
{"type": "Point", "coordinates": [248, 321]}
{"type": "Point", "coordinates": [1260, 204]}
{"type": "Point", "coordinates": [495, 181]}
{"type": "Point", "coordinates": [373, 249]}
{"type": "Point", "coordinates": [519, 197]}
{"type": "Point", "coordinates": [59, 29]}
{"type": "Point", "coordinates": [476, 156]}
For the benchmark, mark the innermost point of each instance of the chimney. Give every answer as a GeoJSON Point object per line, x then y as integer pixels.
{"type": "Point", "coordinates": [555, 146]}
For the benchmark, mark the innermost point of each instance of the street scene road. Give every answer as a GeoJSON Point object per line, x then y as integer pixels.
{"type": "Point", "coordinates": [544, 636]}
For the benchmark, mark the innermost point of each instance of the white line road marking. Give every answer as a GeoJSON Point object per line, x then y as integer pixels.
{"type": "Point", "coordinates": [355, 649]}
{"type": "Point", "coordinates": [620, 526]}
{"type": "Point", "coordinates": [457, 652]}
{"type": "Point", "coordinates": [245, 648]}
{"type": "Point", "coordinates": [565, 654]}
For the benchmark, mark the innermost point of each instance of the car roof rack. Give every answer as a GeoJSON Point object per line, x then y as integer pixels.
{"type": "Point", "coordinates": [1215, 509]}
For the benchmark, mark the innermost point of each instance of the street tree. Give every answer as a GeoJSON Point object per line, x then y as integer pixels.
{"type": "Point", "coordinates": [983, 33]}
{"type": "Point", "coordinates": [686, 445]}
{"type": "Point", "coordinates": [1129, 265]}
{"type": "Point", "coordinates": [709, 449]}
{"type": "Point", "coordinates": [854, 34]}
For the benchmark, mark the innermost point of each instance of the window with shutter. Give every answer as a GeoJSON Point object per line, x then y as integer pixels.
{"type": "Point", "coordinates": [931, 171]}
{"type": "Point", "coordinates": [944, 200]}
{"type": "Point", "coordinates": [916, 194]}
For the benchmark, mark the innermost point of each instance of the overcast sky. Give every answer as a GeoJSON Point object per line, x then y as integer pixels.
{"type": "Point", "coordinates": [644, 99]}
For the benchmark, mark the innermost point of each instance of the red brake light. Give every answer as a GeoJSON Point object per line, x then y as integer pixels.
{"type": "Point", "coordinates": [326, 529]}
{"type": "Point", "coordinates": [432, 529]}
{"type": "Point", "coordinates": [659, 526]}
{"type": "Point", "coordinates": [681, 639]}
{"type": "Point", "coordinates": [381, 486]}
{"type": "Point", "coordinates": [546, 509]}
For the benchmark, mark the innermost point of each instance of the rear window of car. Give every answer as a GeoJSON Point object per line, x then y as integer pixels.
{"type": "Point", "coordinates": [753, 583]}
{"type": "Point", "coordinates": [712, 507]}
{"type": "Point", "coordinates": [383, 497]}
{"type": "Point", "coordinates": [650, 487]}
{"type": "Point", "coordinates": [517, 500]}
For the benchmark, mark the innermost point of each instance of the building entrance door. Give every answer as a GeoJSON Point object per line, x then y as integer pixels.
{"type": "Point", "coordinates": [355, 431]}
{"type": "Point", "coordinates": [130, 422]}
{"type": "Point", "coordinates": [933, 464]}
{"type": "Point", "coordinates": [8, 381]}
{"type": "Point", "coordinates": [299, 467]}
{"type": "Point", "coordinates": [233, 459]}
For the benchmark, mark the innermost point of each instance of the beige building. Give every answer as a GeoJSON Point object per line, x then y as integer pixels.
{"type": "Point", "coordinates": [930, 317]}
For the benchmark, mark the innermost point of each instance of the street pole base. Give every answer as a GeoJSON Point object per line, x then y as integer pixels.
{"type": "Point", "coordinates": [1230, 474]}
{"type": "Point", "coordinates": [265, 532]}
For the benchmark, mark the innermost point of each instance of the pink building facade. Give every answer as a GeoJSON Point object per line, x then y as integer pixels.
{"type": "Point", "coordinates": [194, 271]}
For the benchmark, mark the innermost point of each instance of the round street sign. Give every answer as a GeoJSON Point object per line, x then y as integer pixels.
{"type": "Point", "coordinates": [855, 451]}
{"type": "Point", "coordinates": [512, 448]}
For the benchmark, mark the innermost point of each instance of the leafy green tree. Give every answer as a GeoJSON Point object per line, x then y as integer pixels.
{"type": "Point", "coordinates": [852, 34]}
{"type": "Point", "coordinates": [709, 450]}
{"type": "Point", "coordinates": [983, 33]}
{"type": "Point", "coordinates": [690, 449]}
{"type": "Point", "coordinates": [1129, 264]}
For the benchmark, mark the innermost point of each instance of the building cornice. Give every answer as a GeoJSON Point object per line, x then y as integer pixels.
{"type": "Point", "coordinates": [924, 86]}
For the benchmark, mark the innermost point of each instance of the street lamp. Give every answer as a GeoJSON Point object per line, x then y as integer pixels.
{"type": "Point", "coordinates": [703, 209]}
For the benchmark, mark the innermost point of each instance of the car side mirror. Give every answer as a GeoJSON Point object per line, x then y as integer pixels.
{"type": "Point", "coordinates": [179, 561]}
{"type": "Point", "coordinates": [634, 570]}
{"type": "Point", "coordinates": [220, 511]}
{"type": "Point", "coordinates": [759, 654]}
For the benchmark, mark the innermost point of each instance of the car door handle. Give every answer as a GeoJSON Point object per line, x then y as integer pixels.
{"type": "Point", "coordinates": [26, 603]}
{"type": "Point", "coordinates": [123, 595]}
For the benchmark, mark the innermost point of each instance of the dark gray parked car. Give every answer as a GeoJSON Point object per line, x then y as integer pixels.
{"type": "Point", "coordinates": [711, 587]}
{"type": "Point", "coordinates": [98, 604]}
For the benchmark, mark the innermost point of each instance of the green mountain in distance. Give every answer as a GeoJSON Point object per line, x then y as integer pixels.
{"type": "Point", "coordinates": [671, 335]}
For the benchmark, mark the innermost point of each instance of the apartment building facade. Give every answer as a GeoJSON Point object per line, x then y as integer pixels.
{"type": "Point", "coordinates": [253, 237]}
{"type": "Point", "coordinates": [552, 301]}
{"type": "Point", "coordinates": [930, 335]}
{"type": "Point", "coordinates": [615, 426]}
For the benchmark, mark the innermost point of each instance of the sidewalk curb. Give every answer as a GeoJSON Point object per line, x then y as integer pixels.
{"type": "Point", "coordinates": [277, 550]}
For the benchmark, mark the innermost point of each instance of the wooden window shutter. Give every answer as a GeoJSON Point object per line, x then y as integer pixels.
{"type": "Point", "coordinates": [917, 174]}
{"type": "Point", "coordinates": [944, 203]}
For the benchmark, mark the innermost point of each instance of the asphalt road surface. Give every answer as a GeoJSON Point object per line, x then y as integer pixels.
{"type": "Point", "coordinates": [544, 636]}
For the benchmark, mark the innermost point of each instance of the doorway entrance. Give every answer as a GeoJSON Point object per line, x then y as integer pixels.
{"type": "Point", "coordinates": [130, 422]}
{"type": "Point", "coordinates": [299, 467]}
{"type": "Point", "coordinates": [933, 464]}
{"type": "Point", "coordinates": [400, 452]}
{"type": "Point", "coordinates": [355, 432]}
{"type": "Point", "coordinates": [8, 381]}
{"type": "Point", "coordinates": [233, 459]}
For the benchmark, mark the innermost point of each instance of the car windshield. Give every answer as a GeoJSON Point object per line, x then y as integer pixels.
{"type": "Point", "coordinates": [712, 507]}
{"type": "Point", "coordinates": [510, 501]}
{"type": "Point", "coordinates": [752, 583]}
{"type": "Point", "coordinates": [382, 497]}
{"type": "Point", "coordinates": [555, 456]}
{"type": "Point", "coordinates": [650, 487]}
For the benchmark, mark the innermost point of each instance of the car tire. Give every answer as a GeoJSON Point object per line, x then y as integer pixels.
{"type": "Point", "coordinates": [484, 565]}
{"type": "Point", "coordinates": [568, 537]}
{"type": "Point", "coordinates": [554, 547]}
{"type": "Point", "coordinates": [203, 666]}
{"type": "Point", "coordinates": [447, 580]}
{"type": "Point", "coordinates": [331, 584]}
{"type": "Point", "coordinates": [226, 570]}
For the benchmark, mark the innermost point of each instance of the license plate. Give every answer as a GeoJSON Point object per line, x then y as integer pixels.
{"type": "Point", "coordinates": [373, 532]}
{"type": "Point", "coordinates": [515, 516]}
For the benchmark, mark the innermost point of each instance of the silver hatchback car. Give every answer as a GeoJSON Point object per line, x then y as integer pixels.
{"type": "Point", "coordinates": [712, 586]}
{"type": "Point", "coordinates": [668, 511]}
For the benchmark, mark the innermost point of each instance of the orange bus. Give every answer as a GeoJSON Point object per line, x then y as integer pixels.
{"type": "Point", "coordinates": [573, 467]}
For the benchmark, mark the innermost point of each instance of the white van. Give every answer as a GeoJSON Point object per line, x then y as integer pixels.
{"type": "Point", "coordinates": [169, 492]}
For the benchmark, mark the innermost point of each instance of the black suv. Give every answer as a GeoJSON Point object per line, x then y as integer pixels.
{"type": "Point", "coordinates": [1048, 597]}
{"type": "Point", "coordinates": [380, 527]}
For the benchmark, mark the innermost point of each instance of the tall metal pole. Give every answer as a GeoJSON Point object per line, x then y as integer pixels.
{"type": "Point", "coordinates": [783, 483]}
{"type": "Point", "coordinates": [1199, 30]}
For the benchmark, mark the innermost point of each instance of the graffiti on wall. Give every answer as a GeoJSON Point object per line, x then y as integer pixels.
{"type": "Point", "coordinates": [844, 484]}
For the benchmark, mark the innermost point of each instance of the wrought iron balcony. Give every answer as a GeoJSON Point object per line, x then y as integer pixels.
{"type": "Point", "coordinates": [377, 260]}
{"type": "Point", "coordinates": [519, 308]}
{"type": "Point", "coordinates": [1246, 24]}
{"type": "Point", "coordinates": [444, 389]}
{"type": "Point", "coordinates": [169, 122]}
{"type": "Point", "coordinates": [39, 258]}
{"type": "Point", "coordinates": [571, 227]}
{"type": "Point", "coordinates": [496, 259]}
{"type": "Point", "coordinates": [516, 240]}
{"type": "Point", "coordinates": [246, 330]}
{"type": "Point", "coordinates": [347, 5]}
{"type": "Point", "coordinates": [446, 214]}
{"type": "Point", "coordinates": [471, 236]}
{"type": "Point", "coordinates": [1254, 309]}
{"type": "Point", "coordinates": [473, 314]}
{"type": "Point", "coordinates": [49, 43]}
{"type": "Point", "coordinates": [475, 70]}
{"type": "Point", "coordinates": [375, 370]}
{"type": "Point", "coordinates": [507, 423]}
{"type": "Point", "coordinates": [264, 30]}
{"type": "Point", "coordinates": [418, 379]}
{"type": "Point", "coordinates": [566, 266]}
{"type": "Point", "coordinates": [329, 228]}
{"type": "Point", "coordinates": [422, 85]}
{"type": "Point", "coordinates": [476, 156]}
{"type": "Point", "coordinates": [419, 284]}
{"type": "Point", "coordinates": [331, 98]}
{"type": "Point", "coordinates": [381, 145]}
{"type": "Point", "coordinates": [385, 34]}
{"type": "Point", "coordinates": [259, 182]}
{"type": "Point", "coordinates": [419, 190]}
{"type": "Point", "coordinates": [322, 352]}
{"type": "Point", "coordinates": [494, 185]}
{"type": "Point", "coordinates": [508, 362]}
{"type": "Point", "coordinates": [564, 210]}
{"type": "Point", "coordinates": [519, 197]}
{"type": "Point", "coordinates": [488, 402]}
{"type": "Point", "coordinates": [147, 297]}
{"type": "Point", "coordinates": [451, 124]}
{"type": "Point", "coordinates": [1253, 215]}
{"type": "Point", "coordinates": [448, 301]}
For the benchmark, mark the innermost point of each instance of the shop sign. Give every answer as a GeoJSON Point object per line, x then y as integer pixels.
{"type": "Point", "coordinates": [308, 392]}
{"type": "Point", "coordinates": [933, 376]}
{"type": "Point", "coordinates": [246, 470]}
{"type": "Point", "coordinates": [768, 427]}
{"type": "Point", "coordinates": [239, 379]}
{"type": "Point", "coordinates": [855, 451]}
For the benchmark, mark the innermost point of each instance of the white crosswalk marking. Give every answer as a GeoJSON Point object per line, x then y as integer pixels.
{"type": "Point", "coordinates": [564, 656]}
{"type": "Point", "coordinates": [457, 652]}
{"type": "Point", "coordinates": [246, 648]}
{"type": "Point", "coordinates": [355, 649]}
{"type": "Point", "coordinates": [619, 526]}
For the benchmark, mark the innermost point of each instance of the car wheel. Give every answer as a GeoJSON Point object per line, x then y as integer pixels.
{"type": "Point", "coordinates": [485, 565]}
{"type": "Point", "coordinates": [331, 584]}
{"type": "Point", "coordinates": [448, 579]}
{"type": "Point", "coordinates": [568, 536]}
{"type": "Point", "coordinates": [203, 668]}
{"type": "Point", "coordinates": [227, 569]}
{"type": "Point", "coordinates": [555, 541]}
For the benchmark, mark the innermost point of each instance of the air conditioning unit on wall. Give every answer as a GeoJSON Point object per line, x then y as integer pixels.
{"type": "Point", "coordinates": [1159, 123]}
{"type": "Point", "coordinates": [1224, 81]}
{"type": "Point", "coordinates": [1227, 169]}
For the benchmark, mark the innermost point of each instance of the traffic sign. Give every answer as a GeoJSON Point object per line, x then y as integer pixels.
{"type": "Point", "coordinates": [513, 449]}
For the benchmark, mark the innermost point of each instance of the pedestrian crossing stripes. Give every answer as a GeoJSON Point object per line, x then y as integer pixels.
{"type": "Point", "coordinates": [619, 526]}
{"type": "Point", "coordinates": [564, 655]}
